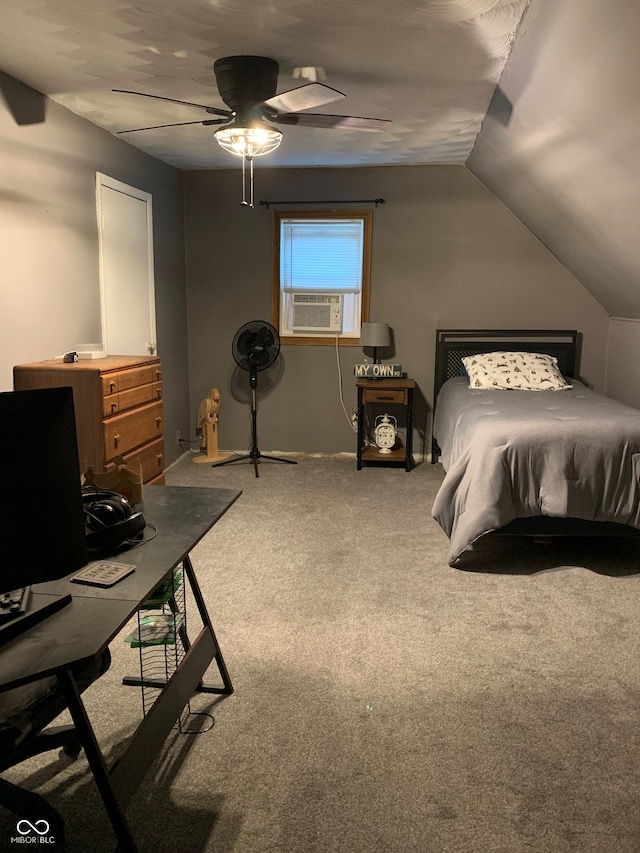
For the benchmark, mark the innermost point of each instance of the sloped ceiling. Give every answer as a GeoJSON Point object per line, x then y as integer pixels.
{"type": "Point", "coordinates": [430, 66]}
{"type": "Point", "coordinates": [563, 156]}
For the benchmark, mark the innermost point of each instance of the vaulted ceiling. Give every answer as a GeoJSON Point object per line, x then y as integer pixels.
{"type": "Point", "coordinates": [557, 141]}
{"type": "Point", "coordinates": [566, 159]}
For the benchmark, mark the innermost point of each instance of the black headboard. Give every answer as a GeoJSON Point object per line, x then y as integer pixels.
{"type": "Point", "coordinates": [452, 345]}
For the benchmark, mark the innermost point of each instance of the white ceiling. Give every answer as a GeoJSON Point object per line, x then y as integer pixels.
{"type": "Point", "coordinates": [430, 66]}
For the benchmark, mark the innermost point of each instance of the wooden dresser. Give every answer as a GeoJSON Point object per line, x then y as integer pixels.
{"type": "Point", "coordinates": [118, 404]}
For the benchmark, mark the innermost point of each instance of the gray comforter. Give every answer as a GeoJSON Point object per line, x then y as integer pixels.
{"type": "Point", "coordinates": [517, 454]}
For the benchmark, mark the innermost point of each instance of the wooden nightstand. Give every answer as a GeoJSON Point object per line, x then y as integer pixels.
{"type": "Point", "coordinates": [383, 395]}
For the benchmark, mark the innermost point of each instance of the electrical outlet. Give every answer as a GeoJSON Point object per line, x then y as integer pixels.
{"type": "Point", "coordinates": [178, 438]}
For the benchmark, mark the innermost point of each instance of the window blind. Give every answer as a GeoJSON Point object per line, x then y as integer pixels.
{"type": "Point", "coordinates": [321, 255]}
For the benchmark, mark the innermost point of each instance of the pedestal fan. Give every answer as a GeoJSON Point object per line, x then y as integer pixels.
{"type": "Point", "coordinates": [255, 347]}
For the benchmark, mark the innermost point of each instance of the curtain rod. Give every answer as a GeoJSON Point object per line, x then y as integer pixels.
{"type": "Point", "coordinates": [375, 201]}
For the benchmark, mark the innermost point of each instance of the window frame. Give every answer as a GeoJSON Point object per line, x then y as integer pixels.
{"type": "Point", "coordinates": [321, 339]}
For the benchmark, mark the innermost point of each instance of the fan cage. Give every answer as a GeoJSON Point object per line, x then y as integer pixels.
{"type": "Point", "coordinates": [247, 333]}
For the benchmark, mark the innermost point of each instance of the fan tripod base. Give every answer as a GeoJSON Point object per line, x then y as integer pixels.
{"type": "Point", "coordinates": [217, 458]}
{"type": "Point", "coordinates": [255, 457]}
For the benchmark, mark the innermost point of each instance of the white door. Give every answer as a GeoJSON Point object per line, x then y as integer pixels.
{"type": "Point", "coordinates": [125, 230]}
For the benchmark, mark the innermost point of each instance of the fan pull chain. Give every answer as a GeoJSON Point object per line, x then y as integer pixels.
{"type": "Point", "coordinates": [244, 182]}
{"type": "Point", "coordinates": [244, 194]}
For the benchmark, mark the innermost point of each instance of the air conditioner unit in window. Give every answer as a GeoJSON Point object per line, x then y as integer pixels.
{"type": "Point", "coordinates": [317, 312]}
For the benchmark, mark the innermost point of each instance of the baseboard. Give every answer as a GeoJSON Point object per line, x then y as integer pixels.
{"type": "Point", "coordinates": [296, 453]}
{"type": "Point", "coordinates": [344, 454]}
{"type": "Point", "coordinates": [179, 459]}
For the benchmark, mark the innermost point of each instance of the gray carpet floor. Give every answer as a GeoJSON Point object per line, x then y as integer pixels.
{"type": "Point", "coordinates": [384, 702]}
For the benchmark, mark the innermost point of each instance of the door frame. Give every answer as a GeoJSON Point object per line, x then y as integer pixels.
{"type": "Point", "coordinates": [108, 182]}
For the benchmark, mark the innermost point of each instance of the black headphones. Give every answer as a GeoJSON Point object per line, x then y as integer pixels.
{"type": "Point", "coordinates": [110, 520]}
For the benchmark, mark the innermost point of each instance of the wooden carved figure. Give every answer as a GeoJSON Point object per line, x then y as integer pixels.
{"type": "Point", "coordinates": [208, 424]}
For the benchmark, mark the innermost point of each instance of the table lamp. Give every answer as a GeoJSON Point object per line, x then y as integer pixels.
{"type": "Point", "coordinates": [375, 335]}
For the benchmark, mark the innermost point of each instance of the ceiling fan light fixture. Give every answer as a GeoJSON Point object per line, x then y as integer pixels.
{"type": "Point", "coordinates": [248, 85]}
{"type": "Point", "coordinates": [248, 142]}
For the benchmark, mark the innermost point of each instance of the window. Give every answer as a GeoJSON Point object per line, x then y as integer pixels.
{"type": "Point", "coordinates": [321, 272]}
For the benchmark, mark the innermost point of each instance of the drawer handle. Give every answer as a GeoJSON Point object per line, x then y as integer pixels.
{"type": "Point", "coordinates": [112, 386]}
{"type": "Point", "coordinates": [114, 407]}
{"type": "Point", "coordinates": [384, 397]}
{"type": "Point", "coordinates": [158, 373]}
{"type": "Point", "coordinates": [158, 422]}
{"type": "Point", "coordinates": [159, 458]}
{"type": "Point", "coordinates": [159, 392]}
{"type": "Point", "coordinates": [116, 440]}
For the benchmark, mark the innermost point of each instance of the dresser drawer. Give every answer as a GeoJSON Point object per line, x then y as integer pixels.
{"type": "Point", "coordinates": [122, 380]}
{"type": "Point", "coordinates": [369, 395]}
{"type": "Point", "coordinates": [149, 457]}
{"type": "Point", "coordinates": [123, 433]}
{"type": "Point", "coordinates": [120, 402]}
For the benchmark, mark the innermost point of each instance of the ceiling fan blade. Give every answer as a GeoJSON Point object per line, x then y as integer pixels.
{"type": "Point", "coordinates": [304, 98]}
{"type": "Point", "coordinates": [213, 110]}
{"type": "Point", "coordinates": [328, 121]}
{"type": "Point", "coordinates": [205, 122]}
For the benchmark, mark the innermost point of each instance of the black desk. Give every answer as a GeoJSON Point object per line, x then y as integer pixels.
{"type": "Point", "coordinates": [84, 628]}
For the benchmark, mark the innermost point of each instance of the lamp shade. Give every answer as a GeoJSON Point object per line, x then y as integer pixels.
{"type": "Point", "coordinates": [375, 335]}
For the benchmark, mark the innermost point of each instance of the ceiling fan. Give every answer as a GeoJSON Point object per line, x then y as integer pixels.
{"type": "Point", "coordinates": [247, 85]}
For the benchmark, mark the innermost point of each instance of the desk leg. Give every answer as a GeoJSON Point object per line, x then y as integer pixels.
{"type": "Point", "coordinates": [227, 690]}
{"type": "Point", "coordinates": [126, 843]}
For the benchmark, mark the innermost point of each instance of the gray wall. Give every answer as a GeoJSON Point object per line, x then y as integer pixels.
{"type": "Point", "coordinates": [49, 296]}
{"type": "Point", "coordinates": [623, 362]}
{"type": "Point", "coordinates": [446, 253]}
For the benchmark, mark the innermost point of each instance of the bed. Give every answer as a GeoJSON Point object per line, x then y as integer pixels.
{"type": "Point", "coordinates": [533, 462]}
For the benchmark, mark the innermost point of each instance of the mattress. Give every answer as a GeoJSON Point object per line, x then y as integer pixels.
{"type": "Point", "coordinates": [521, 454]}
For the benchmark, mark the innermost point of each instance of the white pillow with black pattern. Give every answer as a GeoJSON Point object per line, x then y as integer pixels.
{"type": "Point", "coordinates": [517, 371]}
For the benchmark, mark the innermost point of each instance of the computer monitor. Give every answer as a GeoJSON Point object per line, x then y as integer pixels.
{"type": "Point", "coordinates": [42, 532]}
